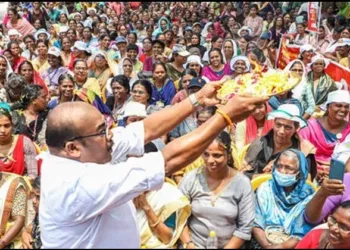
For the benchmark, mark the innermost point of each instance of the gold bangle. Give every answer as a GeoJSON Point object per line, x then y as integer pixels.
{"type": "Point", "coordinates": [226, 117]}
{"type": "Point", "coordinates": [155, 224]}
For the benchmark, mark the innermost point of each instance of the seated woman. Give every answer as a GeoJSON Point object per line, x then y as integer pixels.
{"type": "Point", "coordinates": [17, 152]}
{"type": "Point", "coordinates": [194, 62]}
{"type": "Point", "coordinates": [161, 214]}
{"type": "Point", "coordinates": [14, 87]}
{"type": "Point", "coordinates": [305, 55]}
{"type": "Point", "coordinates": [31, 235]}
{"type": "Point", "coordinates": [302, 91]}
{"type": "Point", "coordinates": [221, 198]}
{"type": "Point", "coordinates": [239, 66]}
{"type": "Point", "coordinates": [30, 113]}
{"type": "Point", "coordinates": [285, 98]}
{"type": "Point", "coordinates": [202, 116]}
{"type": "Point", "coordinates": [82, 79]}
{"type": "Point", "coordinates": [216, 69]}
{"type": "Point", "coordinates": [13, 189]}
{"type": "Point", "coordinates": [99, 68]}
{"type": "Point", "coordinates": [321, 83]}
{"type": "Point", "coordinates": [65, 90]}
{"type": "Point", "coordinates": [31, 76]}
{"type": "Point", "coordinates": [262, 152]}
{"type": "Point", "coordinates": [41, 63]}
{"type": "Point", "coordinates": [280, 202]}
{"type": "Point", "coordinates": [175, 67]}
{"type": "Point", "coordinates": [254, 126]}
{"type": "Point", "coordinates": [325, 132]}
{"type": "Point", "coordinates": [337, 236]}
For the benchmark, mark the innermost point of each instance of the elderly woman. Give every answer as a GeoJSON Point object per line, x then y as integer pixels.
{"type": "Point", "coordinates": [229, 50]}
{"type": "Point", "coordinates": [306, 54]}
{"type": "Point", "coordinates": [14, 191]}
{"type": "Point", "coordinates": [194, 62]}
{"type": "Point", "coordinates": [5, 71]}
{"type": "Point", "coordinates": [81, 79]}
{"type": "Point", "coordinates": [253, 127]}
{"type": "Point", "coordinates": [65, 90]}
{"type": "Point", "coordinates": [99, 68]}
{"type": "Point", "coordinates": [325, 132]}
{"type": "Point", "coordinates": [30, 113]}
{"type": "Point", "coordinates": [216, 69]}
{"type": "Point", "coordinates": [239, 66]}
{"type": "Point", "coordinates": [120, 98]}
{"type": "Point", "coordinates": [142, 92]}
{"type": "Point", "coordinates": [336, 236]}
{"type": "Point", "coordinates": [321, 83]}
{"type": "Point", "coordinates": [280, 202]}
{"type": "Point", "coordinates": [302, 91]}
{"type": "Point", "coordinates": [263, 151]}
{"type": "Point", "coordinates": [56, 69]}
{"type": "Point", "coordinates": [14, 87]}
{"type": "Point", "coordinates": [222, 199]}
{"type": "Point", "coordinates": [17, 151]}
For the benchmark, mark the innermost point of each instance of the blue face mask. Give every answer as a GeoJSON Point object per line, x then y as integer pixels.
{"type": "Point", "coordinates": [285, 180]}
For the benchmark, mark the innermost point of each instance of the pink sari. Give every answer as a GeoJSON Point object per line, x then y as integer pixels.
{"type": "Point", "coordinates": [23, 27]}
{"type": "Point", "coordinates": [314, 134]}
{"type": "Point", "coordinates": [214, 76]}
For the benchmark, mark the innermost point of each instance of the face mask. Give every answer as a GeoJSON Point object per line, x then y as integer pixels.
{"type": "Point", "coordinates": [285, 180]}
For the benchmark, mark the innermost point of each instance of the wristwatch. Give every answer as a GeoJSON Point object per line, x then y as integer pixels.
{"type": "Point", "coordinates": [187, 243]}
{"type": "Point", "coordinates": [194, 100]}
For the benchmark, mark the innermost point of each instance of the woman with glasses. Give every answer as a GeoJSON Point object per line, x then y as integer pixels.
{"type": "Point", "coordinates": [147, 49]}
{"type": "Point", "coordinates": [337, 236]}
{"type": "Point", "coordinates": [142, 92]}
{"type": "Point", "coordinates": [280, 203]}
{"type": "Point", "coordinates": [99, 68]}
{"type": "Point", "coordinates": [81, 79]}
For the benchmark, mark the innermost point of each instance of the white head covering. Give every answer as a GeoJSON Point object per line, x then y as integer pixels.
{"type": "Point", "coordinates": [63, 29]}
{"type": "Point", "coordinates": [240, 58]}
{"type": "Point", "coordinates": [120, 65]}
{"type": "Point", "coordinates": [250, 32]}
{"type": "Point", "coordinates": [298, 90]}
{"type": "Point", "coordinates": [289, 112]}
{"type": "Point", "coordinates": [204, 32]}
{"type": "Point", "coordinates": [13, 32]}
{"type": "Point", "coordinates": [306, 47]}
{"type": "Point", "coordinates": [54, 51]}
{"type": "Point", "coordinates": [234, 48]}
{"type": "Point", "coordinates": [42, 31]}
{"type": "Point", "coordinates": [318, 57]}
{"type": "Point", "coordinates": [135, 109]}
{"type": "Point", "coordinates": [337, 97]}
{"type": "Point", "coordinates": [88, 23]}
{"type": "Point", "coordinates": [93, 9]}
{"type": "Point", "coordinates": [8, 66]}
{"type": "Point", "coordinates": [193, 59]}
{"type": "Point", "coordinates": [290, 64]}
{"type": "Point", "coordinates": [80, 46]}
{"type": "Point", "coordinates": [105, 16]}
{"type": "Point", "coordinates": [341, 42]}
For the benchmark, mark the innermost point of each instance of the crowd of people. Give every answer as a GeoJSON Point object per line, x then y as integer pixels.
{"type": "Point", "coordinates": [111, 134]}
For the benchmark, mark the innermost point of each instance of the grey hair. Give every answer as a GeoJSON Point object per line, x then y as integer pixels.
{"type": "Point", "coordinates": [15, 80]}
{"type": "Point", "coordinates": [291, 154]}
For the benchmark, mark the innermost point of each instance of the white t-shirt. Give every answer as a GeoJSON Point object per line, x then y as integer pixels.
{"type": "Point", "coordinates": [88, 205]}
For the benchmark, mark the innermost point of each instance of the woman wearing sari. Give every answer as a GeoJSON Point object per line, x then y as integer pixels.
{"type": "Point", "coordinates": [175, 68]}
{"type": "Point", "coordinates": [32, 77]}
{"type": "Point", "coordinates": [13, 195]}
{"type": "Point", "coordinates": [99, 68]}
{"type": "Point", "coordinates": [321, 83]}
{"type": "Point", "coordinates": [81, 79]}
{"type": "Point", "coordinates": [163, 25]}
{"type": "Point", "coordinates": [65, 90]}
{"type": "Point", "coordinates": [185, 79]}
{"type": "Point", "coordinates": [306, 54]}
{"type": "Point", "coordinates": [30, 113]}
{"type": "Point", "coordinates": [281, 201]}
{"type": "Point", "coordinates": [216, 69]}
{"type": "Point", "coordinates": [18, 23]}
{"type": "Point", "coordinates": [14, 48]}
{"type": "Point", "coordinates": [302, 91]}
{"type": "Point", "coordinates": [196, 43]}
{"type": "Point", "coordinates": [41, 63]}
{"type": "Point", "coordinates": [253, 127]}
{"type": "Point", "coordinates": [66, 53]}
{"type": "Point", "coordinates": [323, 40]}
{"type": "Point", "coordinates": [239, 66]}
{"type": "Point", "coordinates": [229, 50]}
{"type": "Point", "coordinates": [325, 132]}
{"type": "Point", "coordinates": [5, 71]}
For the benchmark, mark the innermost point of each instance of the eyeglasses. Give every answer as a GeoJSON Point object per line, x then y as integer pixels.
{"type": "Point", "coordinates": [288, 169]}
{"type": "Point", "coordinates": [103, 132]}
{"type": "Point", "coordinates": [341, 227]}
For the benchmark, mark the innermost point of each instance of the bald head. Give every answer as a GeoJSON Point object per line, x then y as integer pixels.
{"type": "Point", "coordinates": [69, 120]}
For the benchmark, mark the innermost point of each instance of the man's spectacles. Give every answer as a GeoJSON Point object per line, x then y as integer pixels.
{"type": "Point", "coordinates": [103, 132]}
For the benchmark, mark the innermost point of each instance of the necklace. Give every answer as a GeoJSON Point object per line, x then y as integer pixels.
{"type": "Point", "coordinates": [221, 188]}
{"type": "Point", "coordinates": [33, 132]}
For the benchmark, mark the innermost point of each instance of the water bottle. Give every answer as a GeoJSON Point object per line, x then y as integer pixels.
{"type": "Point", "coordinates": [212, 241]}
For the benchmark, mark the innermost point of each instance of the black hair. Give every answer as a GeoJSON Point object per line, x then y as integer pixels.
{"type": "Point", "coordinates": [341, 20]}
{"type": "Point", "coordinates": [14, 10]}
{"type": "Point", "coordinates": [122, 80]}
{"type": "Point", "coordinates": [215, 38]}
{"type": "Point", "coordinates": [113, 35]}
{"type": "Point", "coordinates": [65, 76]}
{"type": "Point", "coordinates": [147, 85]}
{"type": "Point", "coordinates": [344, 204]}
{"type": "Point", "coordinates": [37, 183]}
{"type": "Point", "coordinates": [28, 36]}
{"type": "Point", "coordinates": [159, 64]}
{"type": "Point", "coordinates": [9, 45]}
{"type": "Point", "coordinates": [29, 94]}
{"type": "Point", "coordinates": [217, 50]}
{"type": "Point", "coordinates": [187, 71]}
{"type": "Point", "coordinates": [78, 60]}
{"type": "Point", "coordinates": [198, 36]}
{"type": "Point", "coordinates": [224, 140]}
{"type": "Point", "coordinates": [259, 54]}
{"type": "Point", "coordinates": [254, 6]}
{"type": "Point", "coordinates": [209, 109]}
{"type": "Point", "coordinates": [46, 42]}
{"type": "Point", "coordinates": [134, 34]}
{"type": "Point", "coordinates": [88, 29]}
{"type": "Point", "coordinates": [147, 38]}
{"type": "Point", "coordinates": [132, 47]}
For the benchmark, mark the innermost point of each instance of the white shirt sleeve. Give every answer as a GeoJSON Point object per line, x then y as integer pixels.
{"type": "Point", "coordinates": [104, 187]}
{"type": "Point", "coordinates": [128, 141]}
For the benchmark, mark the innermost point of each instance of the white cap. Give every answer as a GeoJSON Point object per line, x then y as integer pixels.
{"type": "Point", "coordinates": [13, 32]}
{"type": "Point", "coordinates": [240, 58]}
{"type": "Point", "coordinates": [250, 32]}
{"type": "Point", "coordinates": [193, 59]}
{"type": "Point", "coordinates": [181, 50]}
{"type": "Point", "coordinates": [54, 51]}
{"type": "Point", "coordinates": [93, 9]}
{"type": "Point", "coordinates": [41, 31]}
{"type": "Point", "coordinates": [319, 58]}
{"type": "Point", "coordinates": [341, 42]}
{"type": "Point", "coordinates": [79, 45]}
{"type": "Point", "coordinates": [337, 96]}
{"type": "Point", "coordinates": [135, 109]}
{"type": "Point", "coordinates": [306, 47]}
{"type": "Point", "coordinates": [289, 112]}
{"type": "Point", "coordinates": [63, 29]}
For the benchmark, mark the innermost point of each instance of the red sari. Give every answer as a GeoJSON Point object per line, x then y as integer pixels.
{"type": "Point", "coordinates": [16, 164]}
{"type": "Point", "coordinates": [311, 240]}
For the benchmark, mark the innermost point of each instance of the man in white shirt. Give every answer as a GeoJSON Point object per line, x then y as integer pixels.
{"type": "Point", "coordinates": [86, 200]}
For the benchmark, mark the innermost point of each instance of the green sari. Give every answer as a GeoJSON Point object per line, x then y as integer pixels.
{"type": "Point", "coordinates": [325, 85]}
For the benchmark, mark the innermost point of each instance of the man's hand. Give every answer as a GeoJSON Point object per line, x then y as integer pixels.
{"type": "Point", "coordinates": [207, 95]}
{"type": "Point", "coordinates": [239, 107]}
{"type": "Point", "coordinates": [27, 240]}
{"type": "Point", "coordinates": [332, 187]}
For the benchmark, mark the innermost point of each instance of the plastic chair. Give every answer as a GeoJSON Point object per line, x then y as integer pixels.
{"type": "Point", "coordinates": [256, 182]}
